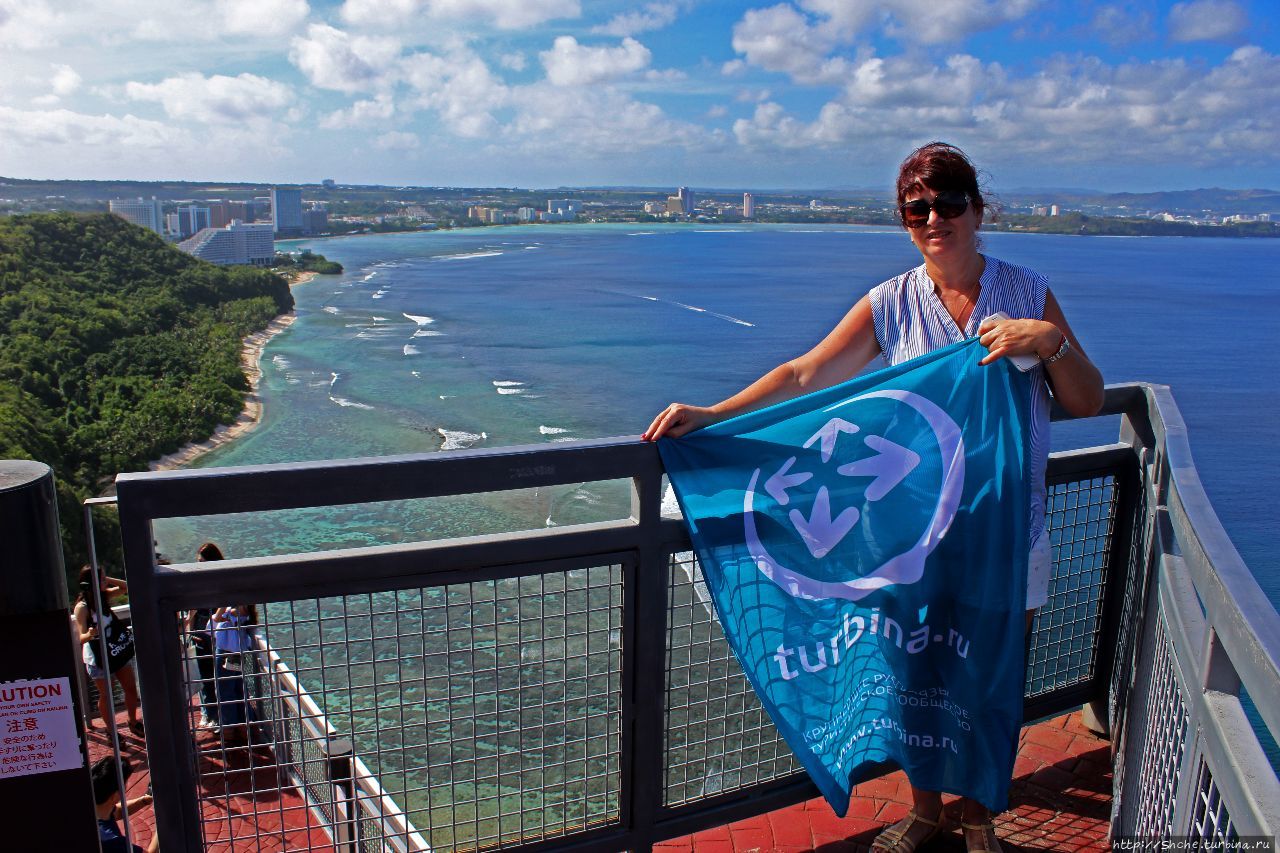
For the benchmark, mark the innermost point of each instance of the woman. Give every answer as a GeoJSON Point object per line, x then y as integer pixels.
{"type": "Point", "coordinates": [940, 302]}
{"type": "Point", "coordinates": [197, 628]}
{"type": "Point", "coordinates": [229, 626]}
{"type": "Point", "coordinates": [119, 647]}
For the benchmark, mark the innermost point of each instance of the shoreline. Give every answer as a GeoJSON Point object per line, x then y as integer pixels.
{"type": "Point", "coordinates": [251, 415]}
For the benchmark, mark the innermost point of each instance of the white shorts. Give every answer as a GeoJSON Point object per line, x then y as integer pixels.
{"type": "Point", "coordinates": [1039, 563]}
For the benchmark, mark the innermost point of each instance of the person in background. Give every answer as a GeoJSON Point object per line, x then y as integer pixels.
{"type": "Point", "coordinates": [109, 805]}
{"type": "Point", "coordinates": [196, 625]}
{"type": "Point", "coordinates": [119, 647]}
{"type": "Point", "coordinates": [953, 295]}
{"type": "Point", "coordinates": [231, 639]}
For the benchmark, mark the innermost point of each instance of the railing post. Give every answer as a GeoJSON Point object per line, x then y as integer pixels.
{"type": "Point", "coordinates": [41, 721]}
{"type": "Point", "coordinates": [346, 811]}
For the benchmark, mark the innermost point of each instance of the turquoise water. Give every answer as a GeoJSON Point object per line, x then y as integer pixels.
{"type": "Point", "coordinates": [533, 334]}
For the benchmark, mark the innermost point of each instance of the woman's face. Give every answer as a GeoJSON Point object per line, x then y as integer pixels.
{"type": "Point", "coordinates": [943, 240]}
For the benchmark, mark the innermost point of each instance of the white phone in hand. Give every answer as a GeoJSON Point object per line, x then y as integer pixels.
{"type": "Point", "coordinates": [1022, 362]}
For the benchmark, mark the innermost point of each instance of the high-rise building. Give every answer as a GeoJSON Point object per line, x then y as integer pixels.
{"type": "Point", "coordinates": [220, 214]}
{"type": "Point", "coordinates": [286, 211]}
{"type": "Point", "coordinates": [148, 214]}
{"type": "Point", "coordinates": [190, 219]}
{"type": "Point", "coordinates": [526, 214]}
{"type": "Point", "coordinates": [315, 220]}
{"type": "Point", "coordinates": [748, 206]}
{"type": "Point", "coordinates": [563, 208]}
{"type": "Point", "coordinates": [235, 243]}
{"type": "Point", "coordinates": [686, 200]}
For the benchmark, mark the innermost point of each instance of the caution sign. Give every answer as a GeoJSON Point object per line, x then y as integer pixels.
{"type": "Point", "coordinates": [37, 728]}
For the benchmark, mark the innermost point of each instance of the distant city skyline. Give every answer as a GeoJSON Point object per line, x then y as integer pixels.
{"type": "Point", "coordinates": [1134, 96]}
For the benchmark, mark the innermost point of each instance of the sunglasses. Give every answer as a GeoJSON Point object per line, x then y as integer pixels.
{"type": "Point", "coordinates": [948, 205]}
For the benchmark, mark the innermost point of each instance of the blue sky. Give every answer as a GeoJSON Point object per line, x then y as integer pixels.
{"type": "Point", "coordinates": [710, 93]}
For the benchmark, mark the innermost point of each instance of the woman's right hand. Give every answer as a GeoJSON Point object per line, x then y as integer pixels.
{"type": "Point", "coordinates": [677, 419]}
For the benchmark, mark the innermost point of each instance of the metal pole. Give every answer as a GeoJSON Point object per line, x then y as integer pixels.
{"type": "Point", "coordinates": [104, 657]}
{"type": "Point", "coordinates": [39, 708]}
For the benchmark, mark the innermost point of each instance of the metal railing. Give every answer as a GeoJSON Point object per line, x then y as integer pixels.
{"type": "Point", "coordinates": [569, 688]}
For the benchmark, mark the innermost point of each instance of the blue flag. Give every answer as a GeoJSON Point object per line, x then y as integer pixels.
{"type": "Point", "coordinates": [866, 550]}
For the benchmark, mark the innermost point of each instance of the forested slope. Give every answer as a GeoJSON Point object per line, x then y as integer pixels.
{"type": "Point", "coordinates": [116, 348]}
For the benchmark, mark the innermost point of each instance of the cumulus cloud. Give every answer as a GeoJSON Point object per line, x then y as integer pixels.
{"type": "Point", "coordinates": [1073, 109]}
{"type": "Point", "coordinates": [515, 61]}
{"type": "Point", "coordinates": [262, 17]}
{"type": "Point", "coordinates": [799, 40]}
{"type": "Point", "coordinates": [598, 121]}
{"type": "Point", "coordinates": [569, 63]}
{"type": "Point", "coordinates": [1207, 20]}
{"type": "Point", "coordinates": [397, 140]}
{"type": "Point", "coordinates": [361, 113]}
{"type": "Point", "coordinates": [65, 80]}
{"type": "Point", "coordinates": [654, 16]}
{"type": "Point", "coordinates": [504, 14]}
{"type": "Point", "coordinates": [42, 128]}
{"type": "Point", "coordinates": [460, 87]}
{"type": "Point", "coordinates": [28, 24]}
{"type": "Point", "coordinates": [217, 99]}
{"type": "Point", "coordinates": [333, 59]}
{"type": "Point", "coordinates": [1120, 25]}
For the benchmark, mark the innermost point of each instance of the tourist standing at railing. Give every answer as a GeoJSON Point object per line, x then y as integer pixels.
{"type": "Point", "coordinates": [110, 805]}
{"type": "Point", "coordinates": [119, 646]}
{"type": "Point", "coordinates": [951, 296]}
{"type": "Point", "coordinates": [197, 627]}
{"type": "Point", "coordinates": [231, 640]}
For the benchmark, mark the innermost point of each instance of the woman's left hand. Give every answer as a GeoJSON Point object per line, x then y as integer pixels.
{"type": "Point", "coordinates": [1018, 337]}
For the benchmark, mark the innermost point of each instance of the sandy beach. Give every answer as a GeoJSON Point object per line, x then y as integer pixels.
{"type": "Point", "coordinates": [250, 360]}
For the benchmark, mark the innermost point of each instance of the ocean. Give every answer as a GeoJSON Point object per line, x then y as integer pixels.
{"type": "Point", "coordinates": [539, 334]}
{"type": "Point", "coordinates": [529, 334]}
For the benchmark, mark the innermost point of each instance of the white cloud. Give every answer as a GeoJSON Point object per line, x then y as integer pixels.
{"type": "Point", "coordinates": [1207, 20]}
{"type": "Point", "coordinates": [571, 64]}
{"type": "Point", "coordinates": [780, 38]}
{"type": "Point", "coordinates": [262, 17]}
{"type": "Point", "coordinates": [217, 99]}
{"type": "Point", "coordinates": [65, 80]}
{"type": "Point", "coordinates": [397, 140]}
{"type": "Point", "coordinates": [598, 122]}
{"type": "Point", "coordinates": [515, 61]}
{"type": "Point", "coordinates": [28, 24]}
{"type": "Point", "coordinates": [1120, 26]}
{"type": "Point", "coordinates": [1072, 110]}
{"type": "Point", "coordinates": [333, 59]}
{"type": "Point", "coordinates": [654, 16]}
{"type": "Point", "coordinates": [361, 113]}
{"type": "Point", "coordinates": [460, 88]}
{"type": "Point", "coordinates": [42, 128]}
{"type": "Point", "coordinates": [504, 14]}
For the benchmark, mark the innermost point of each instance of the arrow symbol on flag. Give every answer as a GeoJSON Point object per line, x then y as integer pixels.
{"type": "Point", "coordinates": [820, 531]}
{"type": "Point", "coordinates": [828, 435]}
{"type": "Point", "coordinates": [778, 484]}
{"type": "Point", "coordinates": [890, 466]}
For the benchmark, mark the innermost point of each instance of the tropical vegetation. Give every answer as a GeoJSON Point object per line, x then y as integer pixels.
{"type": "Point", "coordinates": [115, 349]}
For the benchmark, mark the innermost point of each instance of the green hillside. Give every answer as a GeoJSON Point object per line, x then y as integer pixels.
{"type": "Point", "coordinates": [115, 349]}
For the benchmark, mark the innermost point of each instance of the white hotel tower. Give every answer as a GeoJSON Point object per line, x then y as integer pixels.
{"type": "Point", "coordinates": [748, 206]}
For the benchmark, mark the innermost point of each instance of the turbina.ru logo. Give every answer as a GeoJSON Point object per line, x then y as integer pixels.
{"type": "Point", "coordinates": [861, 521]}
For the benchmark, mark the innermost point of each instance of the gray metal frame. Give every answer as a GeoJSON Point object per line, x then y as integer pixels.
{"type": "Point", "coordinates": [1148, 471]}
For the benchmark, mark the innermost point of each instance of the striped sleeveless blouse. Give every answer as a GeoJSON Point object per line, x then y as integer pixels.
{"type": "Point", "coordinates": [910, 321]}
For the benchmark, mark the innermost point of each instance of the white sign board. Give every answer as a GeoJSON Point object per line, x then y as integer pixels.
{"type": "Point", "coordinates": [37, 728]}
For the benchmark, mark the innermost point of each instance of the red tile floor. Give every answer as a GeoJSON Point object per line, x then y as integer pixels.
{"type": "Point", "coordinates": [1060, 800]}
{"type": "Point", "coordinates": [244, 805]}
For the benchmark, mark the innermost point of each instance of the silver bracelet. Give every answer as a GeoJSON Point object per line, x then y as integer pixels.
{"type": "Point", "coordinates": [1062, 351]}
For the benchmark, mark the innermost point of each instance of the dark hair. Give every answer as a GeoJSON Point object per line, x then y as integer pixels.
{"type": "Point", "coordinates": [85, 583]}
{"type": "Point", "coordinates": [103, 776]}
{"type": "Point", "coordinates": [940, 167]}
{"type": "Point", "coordinates": [209, 552]}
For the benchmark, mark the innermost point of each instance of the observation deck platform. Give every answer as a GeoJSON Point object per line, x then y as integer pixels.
{"type": "Point", "coordinates": [245, 806]}
{"type": "Point", "coordinates": [1060, 800]}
